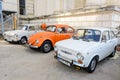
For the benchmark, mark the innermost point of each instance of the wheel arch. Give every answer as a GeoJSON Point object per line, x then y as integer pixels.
{"type": "Point", "coordinates": [24, 37]}
{"type": "Point", "coordinates": [95, 56]}
{"type": "Point", "coordinates": [49, 41]}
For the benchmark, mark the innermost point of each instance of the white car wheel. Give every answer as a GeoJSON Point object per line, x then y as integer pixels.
{"type": "Point", "coordinates": [23, 40]}
{"type": "Point", "coordinates": [92, 65]}
{"type": "Point", "coordinates": [113, 53]}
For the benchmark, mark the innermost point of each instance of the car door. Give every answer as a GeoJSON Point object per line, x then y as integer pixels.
{"type": "Point", "coordinates": [61, 34]}
{"type": "Point", "coordinates": [105, 45]}
{"type": "Point", "coordinates": [31, 30]}
{"type": "Point", "coordinates": [113, 41]}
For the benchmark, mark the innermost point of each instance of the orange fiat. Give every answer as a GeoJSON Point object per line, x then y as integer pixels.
{"type": "Point", "coordinates": [46, 40]}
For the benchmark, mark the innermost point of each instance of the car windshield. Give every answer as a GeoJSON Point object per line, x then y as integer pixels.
{"type": "Point", "coordinates": [25, 27]}
{"type": "Point", "coordinates": [87, 35]}
{"type": "Point", "coordinates": [51, 28]}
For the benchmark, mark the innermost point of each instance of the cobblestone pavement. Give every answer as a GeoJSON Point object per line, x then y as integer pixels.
{"type": "Point", "coordinates": [17, 62]}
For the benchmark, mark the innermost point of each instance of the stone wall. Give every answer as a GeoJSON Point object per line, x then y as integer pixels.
{"type": "Point", "coordinates": [29, 7]}
{"type": "Point", "coordinates": [108, 19]}
{"type": "Point", "coordinates": [10, 5]}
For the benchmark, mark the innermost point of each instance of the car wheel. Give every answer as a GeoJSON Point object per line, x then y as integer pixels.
{"type": "Point", "coordinates": [113, 53]}
{"type": "Point", "coordinates": [23, 40]}
{"type": "Point", "coordinates": [46, 47]}
{"type": "Point", "coordinates": [92, 65]}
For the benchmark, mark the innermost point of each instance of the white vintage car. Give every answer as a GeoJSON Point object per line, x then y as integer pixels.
{"type": "Point", "coordinates": [86, 48]}
{"type": "Point", "coordinates": [21, 35]}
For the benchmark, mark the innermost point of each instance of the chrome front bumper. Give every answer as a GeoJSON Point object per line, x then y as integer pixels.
{"type": "Point", "coordinates": [67, 61]}
{"type": "Point", "coordinates": [31, 46]}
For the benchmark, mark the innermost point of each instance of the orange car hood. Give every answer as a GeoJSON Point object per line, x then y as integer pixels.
{"type": "Point", "coordinates": [36, 36]}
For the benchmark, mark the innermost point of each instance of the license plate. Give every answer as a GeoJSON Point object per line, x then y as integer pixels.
{"type": "Point", "coordinates": [64, 62]}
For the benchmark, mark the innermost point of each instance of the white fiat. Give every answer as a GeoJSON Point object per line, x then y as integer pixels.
{"type": "Point", "coordinates": [21, 35]}
{"type": "Point", "coordinates": [86, 48]}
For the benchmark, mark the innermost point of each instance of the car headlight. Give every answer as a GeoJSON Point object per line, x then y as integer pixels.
{"type": "Point", "coordinates": [37, 41]}
{"type": "Point", "coordinates": [79, 56]}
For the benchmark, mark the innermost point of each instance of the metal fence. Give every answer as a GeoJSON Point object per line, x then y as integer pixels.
{"type": "Point", "coordinates": [7, 22]}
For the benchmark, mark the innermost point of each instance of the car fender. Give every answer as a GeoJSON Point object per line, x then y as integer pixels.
{"type": "Point", "coordinates": [22, 34]}
{"type": "Point", "coordinates": [89, 58]}
{"type": "Point", "coordinates": [42, 40]}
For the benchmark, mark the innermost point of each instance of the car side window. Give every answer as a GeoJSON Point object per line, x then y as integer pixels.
{"type": "Point", "coordinates": [62, 30]}
{"type": "Point", "coordinates": [70, 30]}
{"type": "Point", "coordinates": [112, 35]}
{"type": "Point", "coordinates": [105, 36]}
{"type": "Point", "coordinates": [25, 28]}
{"type": "Point", "coordinates": [31, 28]}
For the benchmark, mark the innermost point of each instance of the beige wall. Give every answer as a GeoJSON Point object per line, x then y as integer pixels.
{"type": "Point", "coordinates": [95, 3]}
{"type": "Point", "coordinates": [112, 2]}
{"type": "Point", "coordinates": [103, 19]}
{"type": "Point", "coordinates": [10, 5]}
{"type": "Point", "coordinates": [29, 7]}
{"type": "Point", "coordinates": [40, 7]}
{"type": "Point", "coordinates": [47, 7]}
{"type": "Point", "coordinates": [79, 3]}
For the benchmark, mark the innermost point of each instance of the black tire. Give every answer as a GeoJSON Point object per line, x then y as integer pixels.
{"type": "Point", "coordinates": [113, 53]}
{"type": "Point", "coordinates": [23, 40]}
{"type": "Point", "coordinates": [46, 47]}
{"type": "Point", "coordinates": [92, 66]}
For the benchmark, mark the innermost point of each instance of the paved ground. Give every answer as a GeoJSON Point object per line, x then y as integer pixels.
{"type": "Point", "coordinates": [18, 62]}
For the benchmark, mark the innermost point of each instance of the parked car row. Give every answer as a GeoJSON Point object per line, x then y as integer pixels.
{"type": "Point", "coordinates": [83, 48]}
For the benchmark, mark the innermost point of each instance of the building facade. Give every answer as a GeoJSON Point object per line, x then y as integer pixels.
{"type": "Point", "coordinates": [77, 13]}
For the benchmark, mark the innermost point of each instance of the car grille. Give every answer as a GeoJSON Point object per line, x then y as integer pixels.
{"type": "Point", "coordinates": [65, 58]}
{"type": "Point", "coordinates": [8, 37]}
{"type": "Point", "coordinates": [66, 52]}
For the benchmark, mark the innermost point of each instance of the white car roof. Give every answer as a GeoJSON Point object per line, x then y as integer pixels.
{"type": "Point", "coordinates": [30, 24]}
{"type": "Point", "coordinates": [101, 29]}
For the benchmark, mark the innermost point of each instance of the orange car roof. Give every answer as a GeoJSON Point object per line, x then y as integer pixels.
{"type": "Point", "coordinates": [61, 25]}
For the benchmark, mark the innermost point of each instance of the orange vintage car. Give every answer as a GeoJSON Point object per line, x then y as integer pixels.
{"type": "Point", "coordinates": [46, 40]}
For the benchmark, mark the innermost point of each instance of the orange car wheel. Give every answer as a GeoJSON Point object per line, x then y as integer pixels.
{"type": "Point", "coordinates": [46, 47]}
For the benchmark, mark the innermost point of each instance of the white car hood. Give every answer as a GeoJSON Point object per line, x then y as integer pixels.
{"type": "Point", "coordinates": [77, 45]}
{"type": "Point", "coordinates": [14, 32]}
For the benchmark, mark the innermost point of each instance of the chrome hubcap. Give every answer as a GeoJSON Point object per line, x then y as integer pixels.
{"type": "Point", "coordinates": [93, 64]}
{"type": "Point", "coordinates": [23, 40]}
{"type": "Point", "coordinates": [47, 47]}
